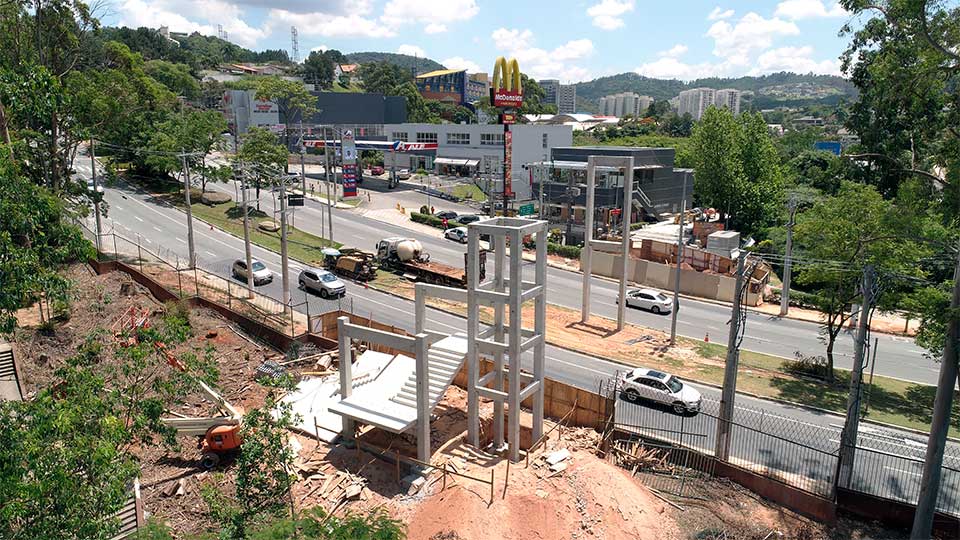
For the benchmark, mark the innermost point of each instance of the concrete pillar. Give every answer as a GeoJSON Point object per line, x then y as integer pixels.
{"type": "Point", "coordinates": [540, 327]}
{"type": "Point", "coordinates": [587, 258]}
{"type": "Point", "coordinates": [473, 329]}
{"type": "Point", "coordinates": [498, 315]}
{"type": "Point", "coordinates": [516, 334]}
{"type": "Point", "coordinates": [423, 398]}
{"type": "Point", "coordinates": [346, 373]}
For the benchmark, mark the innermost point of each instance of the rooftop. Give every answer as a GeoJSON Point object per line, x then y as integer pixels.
{"type": "Point", "coordinates": [439, 73]}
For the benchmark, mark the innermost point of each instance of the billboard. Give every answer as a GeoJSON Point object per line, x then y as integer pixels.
{"type": "Point", "coordinates": [507, 163]}
{"type": "Point", "coordinates": [506, 90]}
{"type": "Point", "coordinates": [349, 146]}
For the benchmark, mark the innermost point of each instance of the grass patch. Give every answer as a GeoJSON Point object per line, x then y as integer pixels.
{"type": "Point", "coordinates": [469, 191]}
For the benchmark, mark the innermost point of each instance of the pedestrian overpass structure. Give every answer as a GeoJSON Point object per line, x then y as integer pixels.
{"type": "Point", "coordinates": [406, 392]}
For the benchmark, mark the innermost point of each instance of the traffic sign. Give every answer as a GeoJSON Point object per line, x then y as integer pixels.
{"type": "Point", "coordinates": [526, 209]}
{"type": "Point", "coordinates": [295, 199]}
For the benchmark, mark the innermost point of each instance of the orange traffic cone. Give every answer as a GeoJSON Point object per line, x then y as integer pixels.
{"type": "Point", "coordinates": [706, 338]}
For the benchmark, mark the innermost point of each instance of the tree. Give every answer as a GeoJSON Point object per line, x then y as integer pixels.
{"type": "Point", "coordinates": [194, 134]}
{"type": "Point", "coordinates": [839, 236]}
{"type": "Point", "coordinates": [382, 77]}
{"type": "Point", "coordinates": [291, 97]}
{"type": "Point", "coordinates": [176, 77]}
{"type": "Point", "coordinates": [658, 109]}
{"type": "Point", "coordinates": [762, 195]}
{"type": "Point", "coordinates": [417, 110]}
{"type": "Point", "coordinates": [211, 93]}
{"type": "Point", "coordinates": [318, 68]}
{"type": "Point", "coordinates": [265, 158]}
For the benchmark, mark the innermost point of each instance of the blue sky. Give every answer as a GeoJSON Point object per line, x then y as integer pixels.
{"type": "Point", "coordinates": [564, 39]}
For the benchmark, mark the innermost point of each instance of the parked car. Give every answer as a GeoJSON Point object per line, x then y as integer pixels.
{"type": "Point", "coordinates": [660, 387]}
{"type": "Point", "coordinates": [485, 207]}
{"type": "Point", "coordinates": [376, 170]}
{"type": "Point", "coordinates": [261, 274]}
{"type": "Point", "coordinates": [446, 214]}
{"type": "Point", "coordinates": [457, 233]}
{"type": "Point", "coordinates": [322, 282]}
{"type": "Point", "coordinates": [403, 174]}
{"type": "Point", "coordinates": [649, 299]}
{"type": "Point", "coordinates": [467, 219]}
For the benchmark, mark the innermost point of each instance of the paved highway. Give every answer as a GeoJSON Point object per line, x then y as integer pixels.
{"type": "Point", "coordinates": [769, 430]}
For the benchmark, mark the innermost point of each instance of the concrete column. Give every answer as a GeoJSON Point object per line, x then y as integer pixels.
{"type": "Point", "coordinates": [516, 334]}
{"type": "Point", "coordinates": [423, 398]}
{"type": "Point", "coordinates": [625, 246]}
{"type": "Point", "coordinates": [346, 373]}
{"type": "Point", "coordinates": [420, 307]}
{"type": "Point", "coordinates": [500, 256]}
{"type": "Point", "coordinates": [540, 327]}
{"type": "Point", "coordinates": [473, 329]}
{"type": "Point", "coordinates": [587, 257]}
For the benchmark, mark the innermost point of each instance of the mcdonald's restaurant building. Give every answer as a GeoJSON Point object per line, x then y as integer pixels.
{"type": "Point", "coordinates": [476, 151]}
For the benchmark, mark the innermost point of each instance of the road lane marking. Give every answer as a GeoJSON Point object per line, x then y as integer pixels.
{"type": "Point", "coordinates": [148, 240]}
{"type": "Point", "coordinates": [181, 240]}
{"type": "Point", "coordinates": [158, 229]}
{"type": "Point", "coordinates": [210, 253]}
{"type": "Point", "coordinates": [902, 471]}
{"type": "Point", "coordinates": [138, 218]}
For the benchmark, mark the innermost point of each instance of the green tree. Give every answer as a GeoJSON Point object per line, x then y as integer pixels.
{"type": "Point", "coordinates": [417, 110]}
{"type": "Point", "coordinates": [318, 69]}
{"type": "Point", "coordinates": [176, 77]}
{"type": "Point", "coordinates": [195, 133]}
{"type": "Point", "coordinates": [383, 77]}
{"type": "Point", "coordinates": [762, 197]}
{"type": "Point", "coordinates": [211, 93]}
{"type": "Point", "coordinates": [291, 97]}
{"type": "Point", "coordinates": [262, 156]}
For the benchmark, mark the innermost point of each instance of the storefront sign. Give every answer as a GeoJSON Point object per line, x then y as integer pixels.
{"type": "Point", "coordinates": [506, 90]}
{"type": "Point", "coordinates": [508, 118]}
{"type": "Point", "coordinates": [507, 163]}
{"type": "Point", "coordinates": [349, 164]}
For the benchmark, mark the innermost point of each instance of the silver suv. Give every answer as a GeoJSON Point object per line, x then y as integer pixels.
{"type": "Point", "coordinates": [322, 282]}
{"type": "Point", "coordinates": [261, 274]}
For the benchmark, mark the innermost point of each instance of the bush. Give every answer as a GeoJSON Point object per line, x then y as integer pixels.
{"type": "Point", "coordinates": [570, 252]}
{"type": "Point", "coordinates": [807, 366]}
{"type": "Point", "coordinates": [424, 209]}
{"type": "Point", "coordinates": [427, 219]}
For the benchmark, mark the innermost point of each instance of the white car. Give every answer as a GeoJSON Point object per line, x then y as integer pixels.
{"type": "Point", "coordinates": [457, 233]}
{"type": "Point", "coordinates": [261, 274]}
{"type": "Point", "coordinates": [660, 387]}
{"type": "Point", "coordinates": [650, 300]}
{"type": "Point", "coordinates": [403, 174]}
{"type": "Point", "coordinates": [323, 282]}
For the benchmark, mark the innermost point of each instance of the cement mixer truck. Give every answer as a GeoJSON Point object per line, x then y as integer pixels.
{"type": "Point", "coordinates": [407, 256]}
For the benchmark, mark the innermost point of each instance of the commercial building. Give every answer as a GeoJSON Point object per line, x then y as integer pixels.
{"type": "Point", "coordinates": [729, 98]}
{"type": "Point", "coordinates": [696, 101]}
{"type": "Point", "coordinates": [476, 150]}
{"type": "Point", "coordinates": [445, 85]}
{"type": "Point", "coordinates": [478, 87]}
{"type": "Point", "coordinates": [658, 186]}
{"type": "Point", "coordinates": [563, 96]}
{"type": "Point", "coordinates": [624, 103]}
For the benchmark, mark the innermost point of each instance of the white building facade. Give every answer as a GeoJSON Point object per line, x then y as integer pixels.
{"type": "Point", "coordinates": [696, 101]}
{"type": "Point", "coordinates": [476, 150]}
{"type": "Point", "coordinates": [623, 104]}
{"type": "Point", "coordinates": [729, 98]}
{"type": "Point", "coordinates": [567, 99]}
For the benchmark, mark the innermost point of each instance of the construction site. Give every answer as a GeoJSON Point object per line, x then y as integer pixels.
{"type": "Point", "coordinates": [443, 430]}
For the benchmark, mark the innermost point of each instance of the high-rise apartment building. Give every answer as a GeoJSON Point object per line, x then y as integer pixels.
{"type": "Point", "coordinates": [623, 104]}
{"type": "Point", "coordinates": [551, 88]}
{"type": "Point", "coordinates": [567, 99]}
{"type": "Point", "coordinates": [696, 101]}
{"type": "Point", "coordinates": [729, 98]}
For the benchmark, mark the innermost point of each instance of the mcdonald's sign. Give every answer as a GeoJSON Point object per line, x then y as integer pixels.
{"type": "Point", "coordinates": [506, 90]}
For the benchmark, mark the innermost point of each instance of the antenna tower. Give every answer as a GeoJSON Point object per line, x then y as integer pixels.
{"type": "Point", "coordinates": [294, 45]}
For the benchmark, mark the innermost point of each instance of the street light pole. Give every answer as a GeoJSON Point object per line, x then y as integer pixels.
{"type": "Point", "coordinates": [186, 191]}
{"type": "Point", "coordinates": [676, 278]}
{"type": "Point", "coordinates": [788, 260]}
{"type": "Point", "coordinates": [246, 240]}
{"type": "Point", "coordinates": [96, 193]}
{"type": "Point", "coordinates": [284, 263]}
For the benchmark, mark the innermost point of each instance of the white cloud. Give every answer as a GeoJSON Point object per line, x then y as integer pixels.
{"type": "Point", "coordinates": [320, 48]}
{"type": "Point", "coordinates": [796, 59]}
{"type": "Point", "coordinates": [411, 50]}
{"type": "Point", "coordinates": [398, 12]}
{"type": "Point", "coordinates": [458, 62]}
{"type": "Point", "coordinates": [435, 28]}
{"type": "Point", "coordinates": [719, 13]}
{"type": "Point", "coordinates": [671, 68]}
{"type": "Point", "coordinates": [607, 15]}
{"type": "Point", "coordinates": [736, 43]}
{"type": "Point", "coordinates": [327, 25]}
{"type": "Point", "coordinates": [209, 13]}
{"type": "Point", "coordinates": [808, 9]}
{"type": "Point", "coordinates": [674, 52]}
{"type": "Point", "coordinates": [558, 63]}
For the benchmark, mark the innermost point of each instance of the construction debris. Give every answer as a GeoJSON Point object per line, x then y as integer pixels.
{"type": "Point", "coordinates": [556, 457]}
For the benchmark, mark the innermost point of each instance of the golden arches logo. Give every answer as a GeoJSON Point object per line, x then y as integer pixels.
{"type": "Point", "coordinates": [506, 90]}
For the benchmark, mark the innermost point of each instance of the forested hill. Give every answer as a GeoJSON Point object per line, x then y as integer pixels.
{"type": "Point", "coordinates": [769, 90]}
{"type": "Point", "coordinates": [195, 50]}
{"type": "Point", "coordinates": [407, 62]}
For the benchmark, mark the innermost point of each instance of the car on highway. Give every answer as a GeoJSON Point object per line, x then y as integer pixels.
{"type": "Point", "coordinates": [91, 188]}
{"type": "Point", "coordinates": [649, 299]}
{"type": "Point", "coordinates": [446, 214]}
{"type": "Point", "coordinates": [468, 219]}
{"type": "Point", "coordinates": [376, 170]}
{"type": "Point", "coordinates": [403, 174]}
{"type": "Point", "coordinates": [322, 282]}
{"type": "Point", "coordinates": [261, 274]}
{"type": "Point", "coordinates": [661, 388]}
{"type": "Point", "coordinates": [457, 233]}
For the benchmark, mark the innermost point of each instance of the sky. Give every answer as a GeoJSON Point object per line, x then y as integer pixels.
{"type": "Point", "coordinates": [560, 39]}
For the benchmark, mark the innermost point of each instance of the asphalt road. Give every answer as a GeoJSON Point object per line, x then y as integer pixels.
{"type": "Point", "coordinates": [798, 443]}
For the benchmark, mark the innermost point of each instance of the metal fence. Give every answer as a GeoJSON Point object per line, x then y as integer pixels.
{"type": "Point", "coordinates": [174, 273]}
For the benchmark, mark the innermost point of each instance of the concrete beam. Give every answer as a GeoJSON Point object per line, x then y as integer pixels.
{"type": "Point", "coordinates": [346, 373]}
{"type": "Point", "coordinates": [382, 337]}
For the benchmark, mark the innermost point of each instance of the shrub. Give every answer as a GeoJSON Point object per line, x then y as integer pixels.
{"type": "Point", "coordinates": [570, 252]}
{"type": "Point", "coordinates": [427, 219]}
{"type": "Point", "coordinates": [807, 366]}
{"type": "Point", "coordinates": [424, 209]}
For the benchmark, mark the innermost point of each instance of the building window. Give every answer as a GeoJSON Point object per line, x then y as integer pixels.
{"type": "Point", "coordinates": [491, 139]}
{"type": "Point", "coordinates": [458, 138]}
{"type": "Point", "coordinates": [426, 137]}
{"type": "Point", "coordinates": [545, 141]}
{"type": "Point", "coordinates": [400, 136]}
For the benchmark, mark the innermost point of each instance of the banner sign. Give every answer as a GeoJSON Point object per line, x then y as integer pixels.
{"type": "Point", "coordinates": [508, 118]}
{"type": "Point", "coordinates": [401, 146]}
{"type": "Point", "coordinates": [507, 163]}
{"type": "Point", "coordinates": [349, 164]}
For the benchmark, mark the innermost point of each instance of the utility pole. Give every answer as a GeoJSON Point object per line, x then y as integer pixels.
{"type": "Point", "coordinates": [186, 191]}
{"type": "Point", "coordinates": [676, 281]}
{"type": "Point", "coordinates": [729, 392]}
{"type": "Point", "coordinates": [284, 263]}
{"type": "Point", "coordinates": [932, 464]}
{"type": "Point", "coordinates": [788, 260]}
{"type": "Point", "coordinates": [96, 192]}
{"type": "Point", "coordinates": [330, 201]}
{"type": "Point", "coordinates": [246, 240]}
{"type": "Point", "coordinates": [851, 425]}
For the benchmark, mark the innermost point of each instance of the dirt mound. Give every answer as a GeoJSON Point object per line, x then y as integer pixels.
{"type": "Point", "coordinates": [590, 499]}
{"type": "Point", "coordinates": [213, 198]}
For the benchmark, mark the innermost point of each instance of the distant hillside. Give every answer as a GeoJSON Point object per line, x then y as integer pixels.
{"type": "Point", "coordinates": [413, 63]}
{"type": "Point", "coordinates": [195, 50]}
{"type": "Point", "coordinates": [770, 90]}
